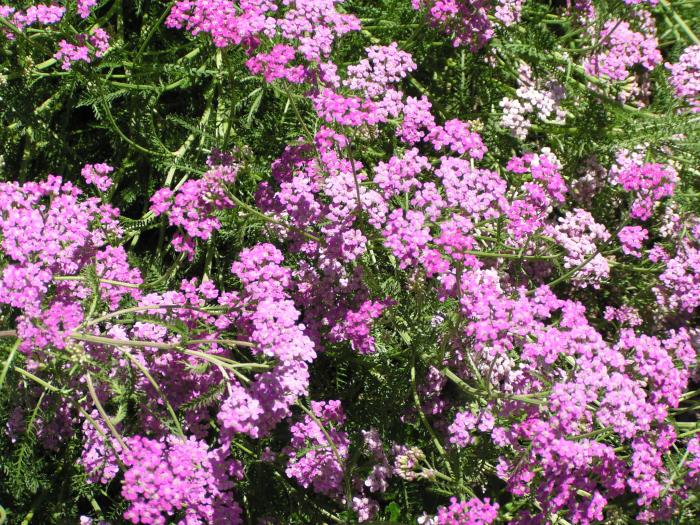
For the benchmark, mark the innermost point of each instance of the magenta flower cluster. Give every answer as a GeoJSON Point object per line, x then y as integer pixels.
{"type": "Point", "coordinates": [164, 476]}
{"type": "Point", "coordinates": [191, 208]}
{"type": "Point", "coordinates": [623, 49]}
{"type": "Point", "coordinates": [47, 232]}
{"type": "Point", "coordinates": [98, 175]}
{"type": "Point", "coordinates": [39, 14]}
{"type": "Point", "coordinates": [87, 48]}
{"type": "Point", "coordinates": [82, 47]}
{"type": "Point", "coordinates": [472, 512]}
{"type": "Point", "coordinates": [316, 454]}
{"type": "Point", "coordinates": [685, 76]}
{"type": "Point", "coordinates": [470, 21]}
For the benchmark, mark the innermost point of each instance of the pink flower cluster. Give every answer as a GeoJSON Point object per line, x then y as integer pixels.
{"type": "Point", "coordinates": [631, 239]}
{"type": "Point", "coordinates": [85, 6]}
{"type": "Point", "coordinates": [542, 187]}
{"type": "Point", "coordinates": [580, 236]}
{"type": "Point", "coordinates": [318, 456]}
{"type": "Point", "coordinates": [47, 231]}
{"type": "Point", "coordinates": [50, 235]}
{"type": "Point", "coordinates": [470, 21]}
{"type": "Point", "coordinates": [68, 53]}
{"type": "Point", "coordinates": [99, 455]}
{"type": "Point", "coordinates": [307, 31]}
{"type": "Point", "coordinates": [373, 78]}
{"type": "Point", "coordinates": [693, 464]}
{"type": "Point", "coordinates": [191, 208]}
{"type": "Point", "coordinates": [165, 476]}
{"type": "Point", "coordinates": [37, 14]}
{"type": "Point", "coordinates": [679, 287]}
{"type": "Point", "coordinates": [465, 423]}
{"type": "Point", "coordinates": [612, 378]}
{"type": "Point", "coordinates": [226, 24]}
{"type": "Point", "coordinates": [685, 76]}
{"type": "Point", "coordinates": [622, 50]}
{"type": "Point", "coordinates": [384, 66]}
{"type": "Point", "coordinates": [270, 323]}
{"type": "Point", "coordinates": [649, 183]}
{"type": "Point", "coordinates": [83, 48]}
{"type": "Point", "coordinates": [98, 175]}
{"type": "Point", "coordinates": [313, 461]}
{"type": "Point", "coordinates": [471, 512]}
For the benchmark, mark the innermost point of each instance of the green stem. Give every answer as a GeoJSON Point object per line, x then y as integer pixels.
{"type": "Point", "coordinates": [157, 24]}
{"type": "Point", "coordinates": [97, 428]}
{"type": "Point", "coordinates": [682, 23]}
{"type": "Point", "coordinates": [511, 255]}
{"type": "Point", "coordinates": [168, 406]}
{"type": "Point", "coordinates": [38, 380]}
{"type": "Point", "coordinates": [155, 344]}
{"type": "Point", "coordinates": [117, 129]}
{"type": "Point", "coordinates": [103, 413]}
{"type": "Point", "coordinates": [354, 175]}
{"type": "Point", "coordinates": [525, 398]}
{"type": "Point", "coordinates": [226, 363]}
{"type": "Point", "coordinates": [261, 215]}
{"type": "Point", "coordinates": [105, 281]}
{"type": "Point", "coordinates": [8, 363]}
{"type": "Point", "coordinates": [9, 25]}
{"type": "Point", "coordinates": [135, 309]}
{"type": "Point", "coordinates": [96, 339]}
{"type": "Point", "coordinates": [232, 342]}
{"type": "Point", "coordinates": [336, 453]}
{"type": "Point", "coordinates": [424, 421]}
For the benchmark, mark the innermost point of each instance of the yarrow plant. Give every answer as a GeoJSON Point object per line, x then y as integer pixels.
{"type": "Point", "coordinates": [274, 261]}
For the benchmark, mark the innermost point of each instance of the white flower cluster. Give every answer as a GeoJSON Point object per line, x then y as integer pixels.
{"type": "Point", "coordinates": [532, 100]}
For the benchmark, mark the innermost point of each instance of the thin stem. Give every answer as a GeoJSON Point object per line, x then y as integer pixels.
{"type": "Point", "coordinates": [8, 362]}
{"type": "Point", "coordinates": [97, 428]}
{"type": "Point", "coordinates": [152, 31]}
{"type": "Point", "coordinates": [118, 130]}
{"type": "Point", "coordinates": [354, 175]}
{"type": "Point", "coordinates": [231, 342]}
{"type": "Point", "coordinates": [38, 380]}
{"type": "Point", "coordinates": [154, 344]}
{"type": "Point", "coordinates": [227, 363]}
{"type": "Point", "coordinates": [426, 423]}
{"type": "Point", "coordinates": [682, 23]}
{"type": "Point", "coordinates": [336, 453]}
{"type": "Point", "coordinates": [146, 308]}
{"type": "Point", "coordinates": [266, 218]}
{"type": "Point", "coordinates": [9, 25]}
{"type": "Point", "coordinates": [495, 255]}
{"type": "Point", "coordinates": [576, 269]}
{"type": "Point", "coordinates": [103, 413]}
{"type": "Point", "coordinates": [290, 97]}
{"type": "Point", "coordinates": [155, 385]}
{"type": "Point", "coordinates": [525, 398]}
{"type": "Point", "coordinates": [105, 281]}
{"type": "Point", "coordinates": [96, 339]}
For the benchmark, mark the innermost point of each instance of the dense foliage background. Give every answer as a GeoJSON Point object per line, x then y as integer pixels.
{"type": "Point", "coordinates": [499, 287]}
